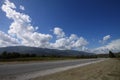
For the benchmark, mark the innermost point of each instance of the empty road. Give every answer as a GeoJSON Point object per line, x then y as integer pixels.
{"type": "Point", "coordinates": [13, 71]}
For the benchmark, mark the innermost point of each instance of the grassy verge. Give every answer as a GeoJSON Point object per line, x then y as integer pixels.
{"type": "Point", "coordinates": [106, 70]}
{"type": "Point", "coordinates": [36, 59]}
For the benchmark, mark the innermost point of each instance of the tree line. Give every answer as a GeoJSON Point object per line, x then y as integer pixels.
{"type": "Point", "coordinates": [11, 55]}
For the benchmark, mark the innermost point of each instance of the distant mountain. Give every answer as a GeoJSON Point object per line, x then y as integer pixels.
{"type": "Point", "coordinates": [43, 51]}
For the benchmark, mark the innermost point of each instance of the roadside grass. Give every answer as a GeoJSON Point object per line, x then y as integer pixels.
{"type": "Point", "coordinates": [106, 70]}
{"type": "Point", "coordinates": [37, 59]}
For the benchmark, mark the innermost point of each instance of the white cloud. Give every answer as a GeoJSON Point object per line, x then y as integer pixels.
{"type": "Point", "coordinates": [113, 46]}
{"type": "Point", "coordinates": [73, 37]}
{"type": "Point", "coordinates": [80, 42]}
{"type": "Point", "coordinates": [21, 27]}
{"type": "Point", "coordinates": [6, 40]}
{"type": "Point", "coordinates": [105, 38]}
{"type": "Point", "coordinates": [58, 32]}
{"type": "Point", "coordinates": [27, 35]}
{"type": "Point", "coordinates": [71, 42]}
{"type": "Point", "coordinates": [22, 7]}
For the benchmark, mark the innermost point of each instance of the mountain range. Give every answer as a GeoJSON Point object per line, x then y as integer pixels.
{"type": "Point", "coordinates": [43, 51]}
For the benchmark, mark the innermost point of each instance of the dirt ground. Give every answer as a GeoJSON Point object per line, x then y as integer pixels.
{"type": "Point", "coordinates": [106, 70]}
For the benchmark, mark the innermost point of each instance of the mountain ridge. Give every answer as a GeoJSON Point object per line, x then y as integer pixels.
{"type": "Point", "coordinates": [43, 51]}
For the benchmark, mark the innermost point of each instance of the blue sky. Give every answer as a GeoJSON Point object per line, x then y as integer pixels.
{"type": "Point", "coordinates": [91, 19]}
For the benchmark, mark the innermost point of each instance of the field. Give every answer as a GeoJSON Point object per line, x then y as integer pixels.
{"type": "Point", "coordinates": [106, 70]}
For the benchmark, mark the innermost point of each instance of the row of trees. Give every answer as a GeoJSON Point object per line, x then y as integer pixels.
{"type": "Point", "coordinates": [10, 55]}
{"type": "Point", "coordinates": [87, 56]}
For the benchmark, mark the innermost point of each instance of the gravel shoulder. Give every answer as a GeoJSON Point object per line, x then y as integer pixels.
{"type": "Point", "coordinates": [105, 70]}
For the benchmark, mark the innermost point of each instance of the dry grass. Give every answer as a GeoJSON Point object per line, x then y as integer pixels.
{"type": "Point", "coordinates": [106, 70]}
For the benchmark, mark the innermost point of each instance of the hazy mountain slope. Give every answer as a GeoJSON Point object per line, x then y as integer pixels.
{"type": "Point", "coordinates": [43, 51]}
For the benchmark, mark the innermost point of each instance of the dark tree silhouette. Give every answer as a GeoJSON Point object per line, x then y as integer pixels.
{"type": "Point", "coordinates": [4, 55]}
{"type": "Point", "coordinates": [12, 55]}
{"type": "Point", "coordinates": [111, 54]}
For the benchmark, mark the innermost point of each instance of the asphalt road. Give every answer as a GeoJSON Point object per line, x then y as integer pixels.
{"type": "Point", "coordinates": [18, 69]}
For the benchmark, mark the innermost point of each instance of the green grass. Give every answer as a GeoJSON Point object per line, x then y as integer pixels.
{"type": "Point", "coordinates": [37, 59]}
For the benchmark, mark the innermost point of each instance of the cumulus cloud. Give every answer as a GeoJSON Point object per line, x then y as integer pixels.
{"type": "Point", "coordinates": [105, 38]}
{"type": "Point", "coordinates": [58, 32]}
{"type": "Point", "coordinates": [68, 42]}
{"type": "Point", "coordinates": [22, 7]}
{"type": "Point", "coordinates": [21, 27]}
{"type": "Point", "coordinates": [80, 42]}
{"type": "Point", "coordinates": [21, 32]}
{"type": "Point", "coordinates": [73, 37]}
{"type": "Point", "coordinates": [6, 40]}
{"type": "Point", "coordinates": [113, 46]}
{"type": "Point", "coordinates": [71, 42]}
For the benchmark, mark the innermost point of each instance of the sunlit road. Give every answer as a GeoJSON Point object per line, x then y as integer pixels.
{"type": "Point", "coordinates": [31, 67]}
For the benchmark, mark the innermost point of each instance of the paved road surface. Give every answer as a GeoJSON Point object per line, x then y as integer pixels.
{"type": "Point", "coordinates": [23, 68]}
